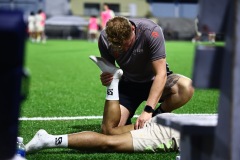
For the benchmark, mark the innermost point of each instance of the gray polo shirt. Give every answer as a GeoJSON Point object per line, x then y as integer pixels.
{"type": "Point", "coordinates": [136, 63]}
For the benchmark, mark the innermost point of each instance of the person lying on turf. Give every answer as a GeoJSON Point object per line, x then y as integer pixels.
{"type": "Point", "coordinates": [152, 137]}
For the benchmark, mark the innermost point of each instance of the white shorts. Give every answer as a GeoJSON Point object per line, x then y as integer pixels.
{"type": "Point", "coordinates": [40, 28]}
{"type": "Point", "coordinates": [31, 28]}
{"type": "Point", "coordinates": [93, 31]}
{"type": "Point", "coordinates": [199, 33]}
{"type": "Point", "coordinates": [154, 137]}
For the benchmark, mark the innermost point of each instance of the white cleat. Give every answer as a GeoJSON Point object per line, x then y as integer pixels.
{"type": "Point", "coordinates": [37, 142]}
{"type": "Point", "coordinates": [106, 66]}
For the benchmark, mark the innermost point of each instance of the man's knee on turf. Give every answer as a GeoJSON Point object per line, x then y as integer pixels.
{"type": "Point", "coordinates": [186, 89]}
{"type": "Point", "coordinates": [182, 92]}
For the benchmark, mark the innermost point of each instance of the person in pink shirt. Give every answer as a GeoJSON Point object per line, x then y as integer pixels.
{"type": "Point", "coordinates": [93, 28]}
{"type": "Point", "coordinates": [40, 26]}
{"type": "Point", "coordinates": [106, 15]}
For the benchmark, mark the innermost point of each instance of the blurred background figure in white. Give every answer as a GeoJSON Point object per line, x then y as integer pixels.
{"type": "Point", "coordinates": [32, 26]}
{"type": "Point", "coordinates": [211, 37]}
{"type": "Point", "coordinates": [198, 34]}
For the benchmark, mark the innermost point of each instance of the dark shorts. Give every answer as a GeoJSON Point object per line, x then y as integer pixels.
{"type": "Point", "coordinates": [132, 94]}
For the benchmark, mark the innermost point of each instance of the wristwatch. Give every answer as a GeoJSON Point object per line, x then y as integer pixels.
{"type": "Point", "coordinates": [148, 109]}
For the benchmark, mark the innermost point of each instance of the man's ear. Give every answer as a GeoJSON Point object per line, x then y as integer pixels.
{"type": "Point", "coordinates": [133, 28]}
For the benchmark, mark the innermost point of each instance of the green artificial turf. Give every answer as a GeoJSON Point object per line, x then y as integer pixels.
{"type": "Point", "coordinates": [66, 83]}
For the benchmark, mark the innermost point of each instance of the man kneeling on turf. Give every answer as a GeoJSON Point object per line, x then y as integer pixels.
{"type": "Point", "coordinates": [152, 137]}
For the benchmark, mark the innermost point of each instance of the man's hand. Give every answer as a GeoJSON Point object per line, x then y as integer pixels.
{"type": "Point", "coordinates": [106, 78]}
{"type": "Point", "coordinates": [144, 117]}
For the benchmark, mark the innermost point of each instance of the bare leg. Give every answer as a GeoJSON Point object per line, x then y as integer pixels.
{"type": "Point", "coordinates": [38, 36]}
{"type": "Point", "coordinates": [112, 111]}
{"type": "Point", "coordinates": [43, 37]}
{"type": "Point", "coordinates": [111, 119]}
{"type": "Point", "coordinates": [84, 141]}
{"type": "Point", "coordinates": [124, 115]}
{"type": "Point", "coordinates": [92, 141]}
{"type": "Point", "coordinates": [111, 116]}
{"type": "Point", "coordinates": [180, 92]}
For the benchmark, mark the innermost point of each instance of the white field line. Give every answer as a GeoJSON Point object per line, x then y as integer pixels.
{"type": "Point", "coordinates": [73, 118]}
{"type": "Point", "coordinates": [60, 118]}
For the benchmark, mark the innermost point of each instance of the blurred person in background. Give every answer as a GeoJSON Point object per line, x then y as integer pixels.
{"type": "Point", "coordinates": [40, 26]}
{"type": "Point", "coordinates": [211, 37]}
{"type": "Point", "coordinates": [32, 26]}
{"type": "Point", "coordinates": [93, 28]}
{"type": "Point", "coordinates": [106, 15]}
{"type": "Point", "coordinates": [198, 34]}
